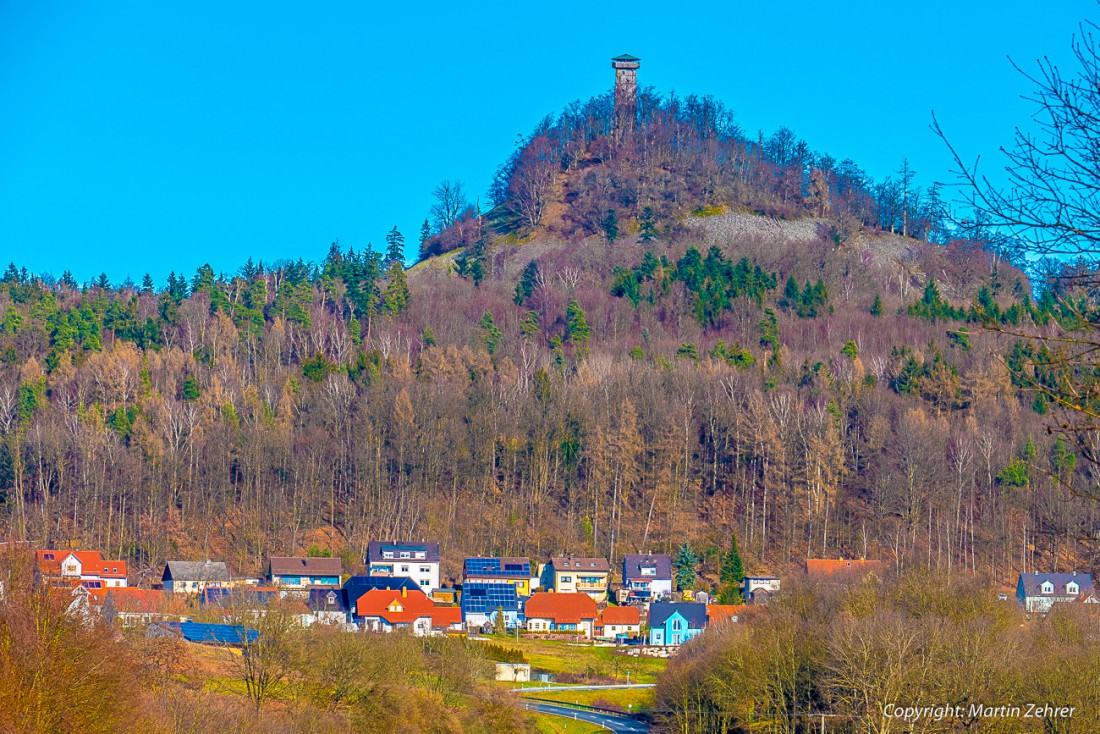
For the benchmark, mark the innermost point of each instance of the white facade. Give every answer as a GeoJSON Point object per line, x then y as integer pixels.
{"type": "Point", "coordinates": [404, 564]}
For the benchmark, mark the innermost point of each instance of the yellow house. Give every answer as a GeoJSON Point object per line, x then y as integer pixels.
{"type": "Point", "coordinates": [569, 574]}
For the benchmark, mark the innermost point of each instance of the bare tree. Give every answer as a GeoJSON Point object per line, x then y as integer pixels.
{"type": "Point", "coordinates": [450, 202]}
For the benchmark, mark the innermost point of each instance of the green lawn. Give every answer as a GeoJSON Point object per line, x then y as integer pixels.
{"type": "Point", "coordinates": [634, 700]}
{"type": "Point", "coordinates": [557, 725]}
{"type": "Point", "coordinates": [555, 656]}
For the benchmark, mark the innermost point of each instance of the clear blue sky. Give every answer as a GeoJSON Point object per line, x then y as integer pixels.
{"type": "Point", "coordinates": [150, 136]}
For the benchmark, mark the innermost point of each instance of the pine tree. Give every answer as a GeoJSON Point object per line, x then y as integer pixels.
{"type": "Point", "coordinates": [425, 236]}
{"type": "Point", "coordinates": [395, 247]}
{"type": "Point", "coordinates": [647, 228]}
{"type": "Point", "coordinates": [731, 574]}
{"type": "Point", "coordinates": [685, 563]}
{"type": "Point", "coordinates": [876, 307]}
{"type": "Point", "coordinates": [528, 281]}
{"type": "Point", "coordinates": [611, 226]}
{"type": "Point", "coordinates": [577, 326]}
{"type": "Point", "coordinates": [490, 334]}
{"type": "Point", "coordinates": [396, 298]}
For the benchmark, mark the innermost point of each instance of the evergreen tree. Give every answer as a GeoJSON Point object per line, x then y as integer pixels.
{"type": "Point", "coordinates": [490, 334]}
{"type": "Point", "coordinates": [648, 230]}
{"type": "Point", "coordinates": [396, 298]}
{"type": "Point", "coordinates": [611, 226]}
{"type": "Point", "coordinates": [731, 574]}
{"type": "Point", "coordinates": [425, 235]}
{"type": "Point", "coordinates": [395, 247]}
{"type": "Point", "coordinates": [685, 563]}
{"type": "Point", "coordinates": [577, 328]}
{"type": "Point", "coordinates": [528, 281]}
{"type": "Point", "coordinates": [876, 307]}
{"type": "Point", "coordinates": [498, 622]}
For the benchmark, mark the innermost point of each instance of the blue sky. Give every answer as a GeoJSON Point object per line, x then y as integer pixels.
{"type": "Point", "coordinates": [148, 137]}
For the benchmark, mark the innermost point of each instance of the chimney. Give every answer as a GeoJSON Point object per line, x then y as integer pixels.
{"type": "Point", "coordinates": [404, 592]}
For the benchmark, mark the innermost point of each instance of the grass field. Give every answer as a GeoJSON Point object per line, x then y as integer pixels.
{"type": "Point", "coordinates": [634, 700]}
{"type": "Point", "coordinates": [554, 656]}
{"type": "Point", "coordinates": [558, 725]}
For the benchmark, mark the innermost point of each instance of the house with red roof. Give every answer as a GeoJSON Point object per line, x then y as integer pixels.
{"type": "Point", "coordinates": [64, 569]}
{"type": "Point", "coordinates": [385, 610]}
{"type": "Point", "coordinates": [565, 612]}
{"type": "Point", "coordinates": [618, 623]}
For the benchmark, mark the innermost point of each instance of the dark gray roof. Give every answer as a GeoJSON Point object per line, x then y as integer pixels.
{"type": "Point", "coordinates": [633, 563]}
{"type": "Point", "coordinates": [694, 612]}
{"type": "Point", "coordinates": [626, 57]}
{"type": "Point", "coordinates": [327, 600]}
{"type": "Point", "coordinates": [356, 586]}
{"type": "Point", "coordinates": [295, 566]}
{"type": "Point", "coordinates": [570, 563]}
{"type": "Point", "coordinates": [375, 549]}
{"type": "Point", "coordinates": [1032, 583]}
{"type": "Point", "coordinates": [195, 571]}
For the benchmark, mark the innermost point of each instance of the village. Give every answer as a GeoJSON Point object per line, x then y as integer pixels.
{"type": "Point", "coordinates": [637, 606]}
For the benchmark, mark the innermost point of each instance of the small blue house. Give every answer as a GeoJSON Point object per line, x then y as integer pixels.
{"type": "Point", "coordinates": [674, 623]}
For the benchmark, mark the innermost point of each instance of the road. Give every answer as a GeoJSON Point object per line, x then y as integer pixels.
{"type": "Point", "coordinates": [615, 724]}
{"type": "Point", "coordinates": [569, 687]}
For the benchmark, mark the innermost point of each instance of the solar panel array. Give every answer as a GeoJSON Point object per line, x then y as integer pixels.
{"type": "Point", "coordinates": [483, 598]}
{"type": "Point", "coordinates": [225, 634]}
{"type": "Point", "coordinates": [475, 566]}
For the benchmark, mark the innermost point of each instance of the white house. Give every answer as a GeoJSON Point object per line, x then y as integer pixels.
{"type": "Point", "coordinates": [1038, 592]}
{"type": "Point", "coordinates": [416, 561]}
{"type": "Point", "coordinates": [191, 577]}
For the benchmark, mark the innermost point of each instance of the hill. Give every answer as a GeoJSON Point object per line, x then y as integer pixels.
{"type": "Point", "coordinates": [691, 335]}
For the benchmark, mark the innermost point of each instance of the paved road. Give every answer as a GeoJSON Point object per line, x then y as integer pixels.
{"type": "Point", "coordinates": [569, 687]}
{"type": "Point", "coordinates": [615, 724]}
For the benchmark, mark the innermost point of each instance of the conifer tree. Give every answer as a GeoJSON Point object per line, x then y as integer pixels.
{"type": "Point", "coordinates": [731, 574]}
{"type": "Point", "coordinates": [395, 247]}
{"type": "Point", "coordinates": [396, 298]}
{"type": "Point", "coordinates": [528, 281]}
{"type": "Point", "coordinates": [685, 562]}
{"type": "Point", "coordinates": [647, 229]}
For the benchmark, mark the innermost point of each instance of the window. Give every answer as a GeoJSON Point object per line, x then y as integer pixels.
{"type": "Point", "coordinates": [676, 625]}
{"type": "Point", "coordinates": [425, 582]}
{"type": "Point", "coordinates": [1072, 588]}
{"type": "Point", "coordinates": [425, 569]}
{"type": "Point", "coordinates": [649, 571]}
{"type": "Point", "coordinates": [406, 554]}
{"type": "Point", "coordinates": [387, 554]}
{"type": "Point", "coordinates": [404, 569]}
{"type": "Point", "coordinates": [1047, 587]}
{"type": "Point", "coordinates": [421, 554]}
{"type": "Point", "coordinates": [567, 579]}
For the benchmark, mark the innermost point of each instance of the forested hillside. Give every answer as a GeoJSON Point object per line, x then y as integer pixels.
{"type": "Point", "coordinates": [655, 336]}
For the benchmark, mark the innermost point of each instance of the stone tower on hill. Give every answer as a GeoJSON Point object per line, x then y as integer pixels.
{"type": "Point", "coordinates": [626, 89]}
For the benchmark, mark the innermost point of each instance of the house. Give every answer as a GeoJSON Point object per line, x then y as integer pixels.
{"type": "Point", "coordinates": [842, 568]}
{"type": "Point", "coordinates": [1038, 592]}
{"type": "Point", "coordinates": [513, 672]}
{"type": "Point", "coordinates": [618, 623]}
{"type": "Point", "coordinates": [647, 576]}
{"type": "Point", "coordinates": [329, 606]}
{"type": "Point", "coordinates": [191, 577]}
{"type": "Point", "coordinates": [722, 613]}
{"type": "Point", "coordinates": [481, 601]}
{"type": "Point", "coordinates": [568, 575]}
{"type": "Point", "coordinates": [62, 568]}
{"type": "Point", "coordinates": [137, 607]}
{"type": "Point", "coordinates": [356, 586]}
{"type": "Point", "coordinates": [515, 571]}
{"type": "Point", "coordinates": [240, 597]}
{"type": "Point", "coordinates": [674, 623]}
{"type": "Point", "coordinates": [297, 574]}
{"type": "Point", "coordinates": [759, 589]}
{"type": "Point", "coordinates": [561, 612]}
{"type": "Point", "coordinates": [416, 561]}
{"type": "Point", "coordinates": [386, 611]}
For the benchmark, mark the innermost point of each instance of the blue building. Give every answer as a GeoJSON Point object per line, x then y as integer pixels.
{"type": "Point", "coordinates": [674, 623]}
{"type": "Point", "coordinates": [482, 599]}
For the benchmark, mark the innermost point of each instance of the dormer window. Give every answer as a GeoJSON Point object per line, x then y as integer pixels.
{"type": "Point", "coordinates": [1073, 588]}
{"type": "Point", "coordinates": [406, 554]}
{"type": "Point", "coordinates": [420, 554]}
{"type": "Point", "coordinates": [387, 554]}
{"type": "Point", "coordinates": [1046, 587]}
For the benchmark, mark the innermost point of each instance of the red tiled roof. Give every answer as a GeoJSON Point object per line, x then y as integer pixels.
{"type": "Point", "coordinates": [91, 563]}
{"type": "Point", "coordinates": [562, 608]}
{"type": "Point", "coordinates": [396, 607]}
{"type": "Point", "coordinates": [445, 617]}
{"type": "Point", "coordinates": [717, 613]}
{"type": "Point", "coordinates": [819, 567]}
{"type": "Point", "coordinates": [619, 615]}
